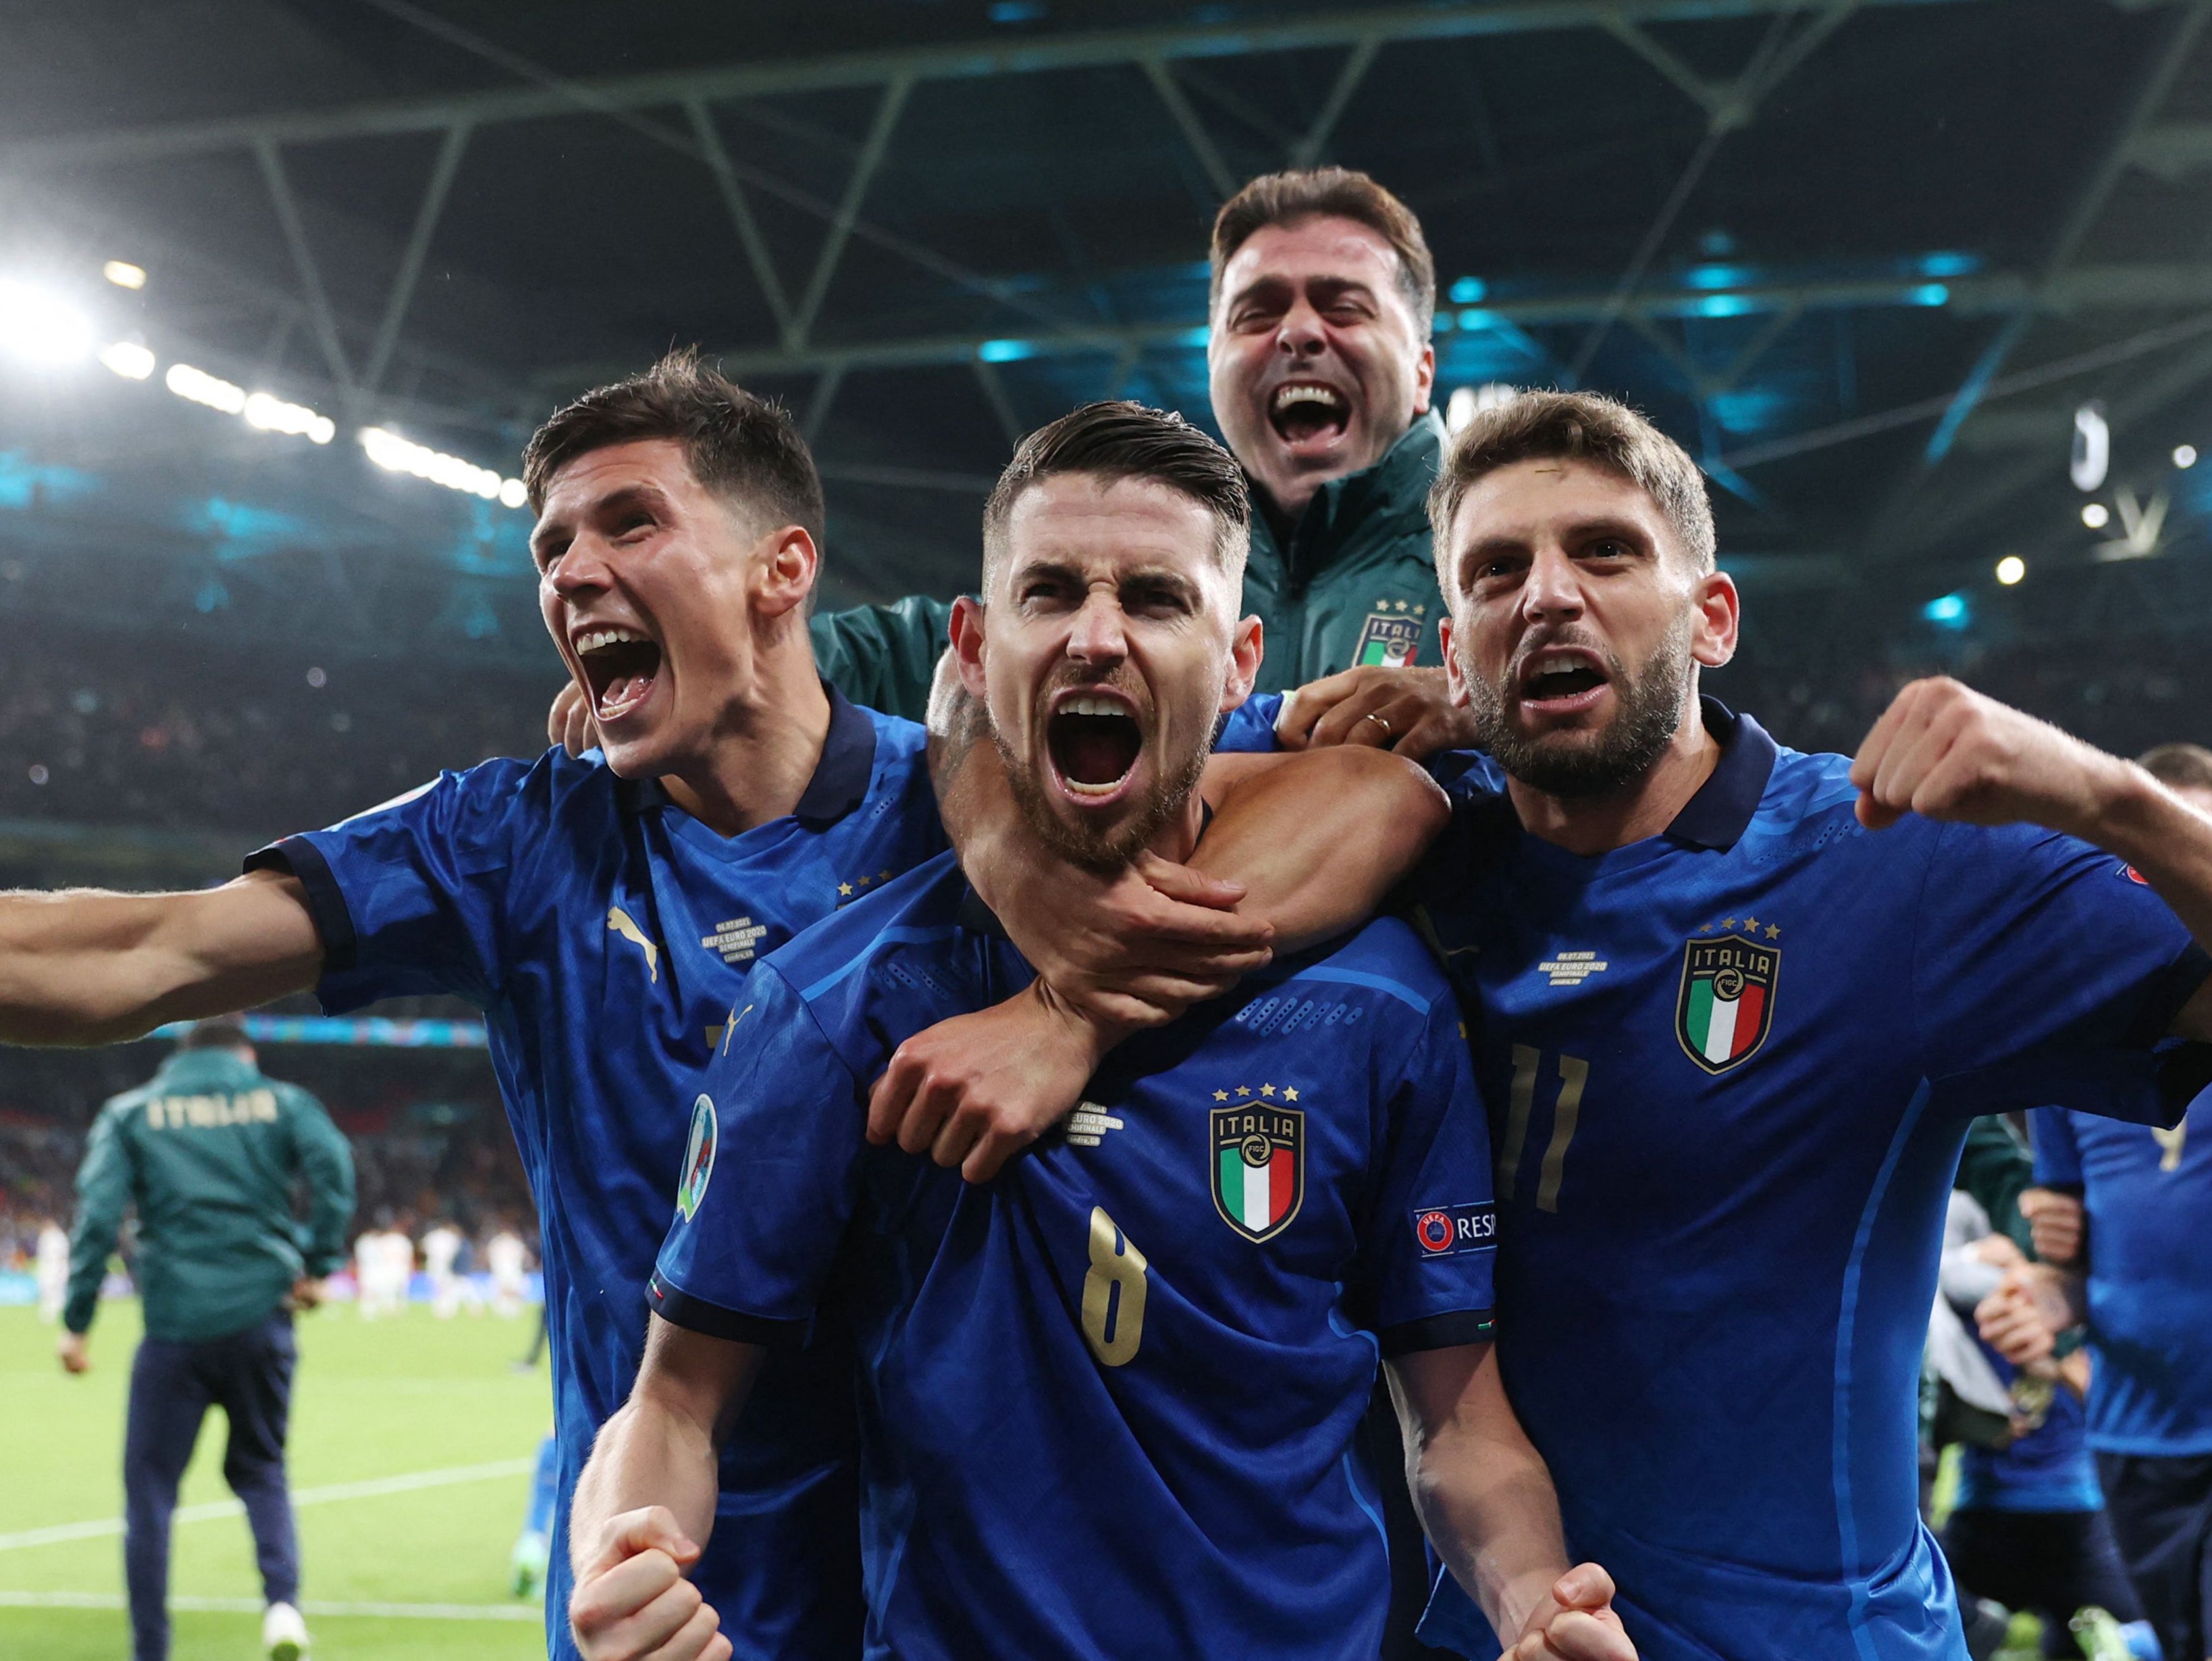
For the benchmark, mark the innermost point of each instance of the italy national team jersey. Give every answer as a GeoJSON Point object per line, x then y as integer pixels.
{"type": "Point", "coordinates": [605, 932]}
{"type": "Point", "coordinates": [1730, 1069]}
{"type": "Point", "coordinates": [2149, 1195]}
{"type": "Point", "coordinates": [1109, 1400]}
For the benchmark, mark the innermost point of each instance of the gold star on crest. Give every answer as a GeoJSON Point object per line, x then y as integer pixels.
{"type": "Point", "coordinates": [1243, 1089]}
{"type": "Point", "coordinates": [1704, 929]}
{"type": "Point", "coordinates": [1774, 931]}
{"type": "Point", "coordinates": [1220, 1095]}
{"type": "Point", "coordinates": [844, 889]}
{"type": "Point", "coordinates": [883, 876]}
{"type": "Point", "coordinates": [1291, 1094]}
{"type": "Point", "coordinates": [1401, 605]}
{"type": "Point", "coordinates": [1267, 1090]}
{"type": "Point", "coordinates": [1729, 922]}
{"type": "Point", "coordinates": [1751, 925]}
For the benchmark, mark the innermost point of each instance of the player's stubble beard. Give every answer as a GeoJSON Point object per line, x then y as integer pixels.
{"type": "Point", "coordinates": [1629, 746]}
{"type": "Point", "coordinates": [1103, 848]}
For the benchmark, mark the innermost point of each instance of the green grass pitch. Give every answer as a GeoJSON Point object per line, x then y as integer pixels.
{"type": "Point", "coordinates": [416, 1408]}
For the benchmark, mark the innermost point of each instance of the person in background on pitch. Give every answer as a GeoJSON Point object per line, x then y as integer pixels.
{"type": "Point", "coordinates": [2119, 1218]}
{"type": "Point", "coordinates": [207, 1151]}
{"type": "Point", "coordinates": [1321, 372]}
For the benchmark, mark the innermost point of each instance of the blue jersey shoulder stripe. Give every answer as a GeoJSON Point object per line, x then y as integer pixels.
{"type": "Point", "coordinates": [1404, 994]}
{"type": "Point", "coordinates": [893, 936]}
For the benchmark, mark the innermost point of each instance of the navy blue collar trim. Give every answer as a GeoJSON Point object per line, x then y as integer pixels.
{"type": "Point", "coordinates": [1718, 815]}
{"type": "Point", "coordinates": [848, 759]}
{"type": "Point", "coordinates": [840, 775]}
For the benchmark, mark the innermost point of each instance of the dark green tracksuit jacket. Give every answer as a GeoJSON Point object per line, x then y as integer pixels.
{"type": "Point", "coordinates": [209, 1150]}
{"type": "Point", "coordinates": [1354, 583]}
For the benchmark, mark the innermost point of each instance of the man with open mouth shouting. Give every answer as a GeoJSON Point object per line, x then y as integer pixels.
{"type": "Point", "coordinates": [1109, 1402]}
{"type": "Point", "coordinates": [604, 911]}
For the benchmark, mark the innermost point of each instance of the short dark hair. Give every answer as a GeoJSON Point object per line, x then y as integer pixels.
{"type": "Point", "coordinates": [218, 1032]}
{"type": "Point", "coordinates": [1554, 426]}
{"type": "Point", "coordinates": [1118, 439]}
{"type": "Point", "coordinates": [1301, 193]}
{"type": "Point", "coordinates": [745, 447]}
{"type": "Point", "coordinates": [2181, 766]}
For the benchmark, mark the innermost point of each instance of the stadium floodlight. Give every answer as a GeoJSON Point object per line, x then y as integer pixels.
{"type": "Point", "coordinates": [124, 274]}
{"type": "Point", "coordinates": [512, 493]}
{"type": "Point", "coordinates": [41, 326]}
{"type": "Point", "coordinates": [2011, 569]}
{"type": "Point", "coordinates": [2184, 456]}
{"type": "Point", "coordinates": [202, 388]}
{"type": "Point", "coordinates": [2096, 515]}
{"type": "Point", "coordinates": [401, 455]}
{"type": "Point", "coordinates": [2092, 448]}
{"type": "Point", "coordinates": [273, 414]}
{"type": "Point", "coordinates": [128, 359]}
{"type": "Point", "coordinates": [1468, 402]}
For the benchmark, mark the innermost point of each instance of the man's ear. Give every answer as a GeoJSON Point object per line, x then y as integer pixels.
{"type": "Point", "coordinates": [967, 632]}
{"type": "Point", "coordinates": [1720, 612]}
{"type": "Point", "coordinates": [1247, 647]}
{"type": "Point", "coordinates": [1425, 380]}
{"type": "Point", "coordinates": [1455, 677]}
{"type": "Point", "coordinates": [785, 564]}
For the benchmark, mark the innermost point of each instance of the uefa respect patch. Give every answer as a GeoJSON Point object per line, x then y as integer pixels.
{"type": "Point", "coordinates": [698, 1158]}
{"type": "Point", "coordinates": [1447, 1231]}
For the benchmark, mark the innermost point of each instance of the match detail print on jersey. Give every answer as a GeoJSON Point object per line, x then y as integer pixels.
{"type": "Point", "coordinates": [1258, 1168]}
{"type": "Point", "coordinates": [1727, 1003]}
{"type": "Point", "coordinates": [698, 1158]}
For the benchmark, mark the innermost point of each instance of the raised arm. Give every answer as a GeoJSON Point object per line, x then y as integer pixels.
{"type": "Point", "coordinates": [1485, 1498]}
{"type": "Point", "coordinates": [82, 967]}
{"type": "Point", "coordinates": [645, 1503]}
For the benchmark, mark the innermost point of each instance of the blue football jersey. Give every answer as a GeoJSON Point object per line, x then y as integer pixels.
{"type": "Point", "coordinates": [2149, 1195]}
{"type": "Point", "coordinates": [2048, 1468]}
{"type": "Point", "coordinates": [606, 933]}
{"type": "Point", "coordinates": [1730, 1069]}
{"type": "Point", "coordinates": [1109, 1400]}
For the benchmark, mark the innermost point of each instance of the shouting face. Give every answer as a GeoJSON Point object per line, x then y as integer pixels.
{"type": "Point", "coordinates": [653, 587]}
{"type": "Point", "coordinates": [1577, 620]}
{"type": "Point", "coordinates": [1315, 362]}
{"type": "Point", "coordinates": [1107, 649]}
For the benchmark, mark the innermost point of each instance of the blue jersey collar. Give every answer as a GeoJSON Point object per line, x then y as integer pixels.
{"type": "Point", "coordinates": [1718, 815]}
{"type": "Point", "coordinates": [840, 775]}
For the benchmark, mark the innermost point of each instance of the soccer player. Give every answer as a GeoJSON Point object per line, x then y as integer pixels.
{"type": "Point", "coordinates": [2139, 1273]}
{"type": "Point", "coordinates": [52, 1268]}
{"type": "Point", "coordinates": [604, 911]}
{"type": "Point", "coordinates": [207, 1151]}
{"type": "Point", "coordinates": [1109, 1402]}
{"type": "Point", "coordinates": [441, 1251]}
{"type": "Point", "coordinates": [507, 1260]}
{"type": "Point", "coordinates": [1713, 988]}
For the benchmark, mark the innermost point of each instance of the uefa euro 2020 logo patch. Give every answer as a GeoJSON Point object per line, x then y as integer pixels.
{"type": "Point", "coordinates": [1446, 1230]}
{"type": "Point", "coordinates": [1726, 1002]}
{"type": "Point", "coordinates": [1259, 1167]}
{"type": "Point", "coordinates": [698, 1159]}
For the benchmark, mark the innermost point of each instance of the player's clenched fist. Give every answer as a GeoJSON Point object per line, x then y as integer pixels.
{"type": "Point", "coordinates": [2054, 1220]}
{"type": "Point", "coordinates": [1576, 1622]}
{"type": "Point", "coordinates": [1943, 751]}
{"type": "Point", "coordinates": [631, 1601]}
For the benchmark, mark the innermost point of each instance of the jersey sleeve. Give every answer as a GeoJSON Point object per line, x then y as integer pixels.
{"type": "Point", "coordinates": [2057, 1154]}
{"type": "Point", "coordinates": [410, 897]}
{"type": "Point", "coordinates": [883, 657]}
{"type": "Point", "coordinates": [325, 1159]}
{"type": "Point", "coordinates": [1426, 1270]}
{"type": "Point", "coordinates": [1250, 727]}
{"type": "Point", "coordinates": [2027, 942]}
{"type": "Point", "coordinates": [771, 1176]}
{"type": "Point", "coordinates": [103, 1189]}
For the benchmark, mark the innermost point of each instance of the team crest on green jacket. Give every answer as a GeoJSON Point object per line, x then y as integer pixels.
{"type": "Point", "coordinates": [1726, 1002]}
{"type": "Point", "coordinates": [698, 1159]}
{"type": "Point", "coordinates": [1259, 1167]}
{"type": "Point", "coordinates": [1391, 636]}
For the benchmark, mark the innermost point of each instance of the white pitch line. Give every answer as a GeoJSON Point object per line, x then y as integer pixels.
{"type": "Point", "coordinates": [409, 1483]}
{"type": "Point", "coordinates": [109, 1600]}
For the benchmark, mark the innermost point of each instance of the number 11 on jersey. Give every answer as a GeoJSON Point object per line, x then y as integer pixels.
{"type": "Point", "coordinates": [1574, 1074]}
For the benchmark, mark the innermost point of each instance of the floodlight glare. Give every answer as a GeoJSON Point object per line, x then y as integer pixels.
{"type": "Point", "coordinates": [273, 414]}
{"type": "Point", "coordinates": [124, 274]}
{"type": "Point", "coordinates": [400, 455]}
{"type": "Point", "coordinates": [128, 359]}
{"type": "Point", "coordinates": [2185, 455]}
{"type": "Point", "coordinates": [512, 493]}
{"type": "Point", "coordinates": [41, 327]}
{"type": "Point", "coordinates": [2011, 569]}
{"type": "Point", "coordinates": [2095, 515]}
{"type": "Point", "coordinates": [202, 388]}
{"type": "Point", "coordinates": [2092, 448]}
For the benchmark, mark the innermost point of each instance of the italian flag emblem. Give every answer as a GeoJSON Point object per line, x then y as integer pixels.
{"type": "Point", "coordinates": [1259, 1167]}
{"type": "Point", "coordinates": [1727, 1003]}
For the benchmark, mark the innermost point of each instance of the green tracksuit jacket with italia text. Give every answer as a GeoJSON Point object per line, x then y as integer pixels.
{"type": "Point", "coordinates": [208, 1151]}
{"type": "Point", "coordinates": [1353, 583]}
